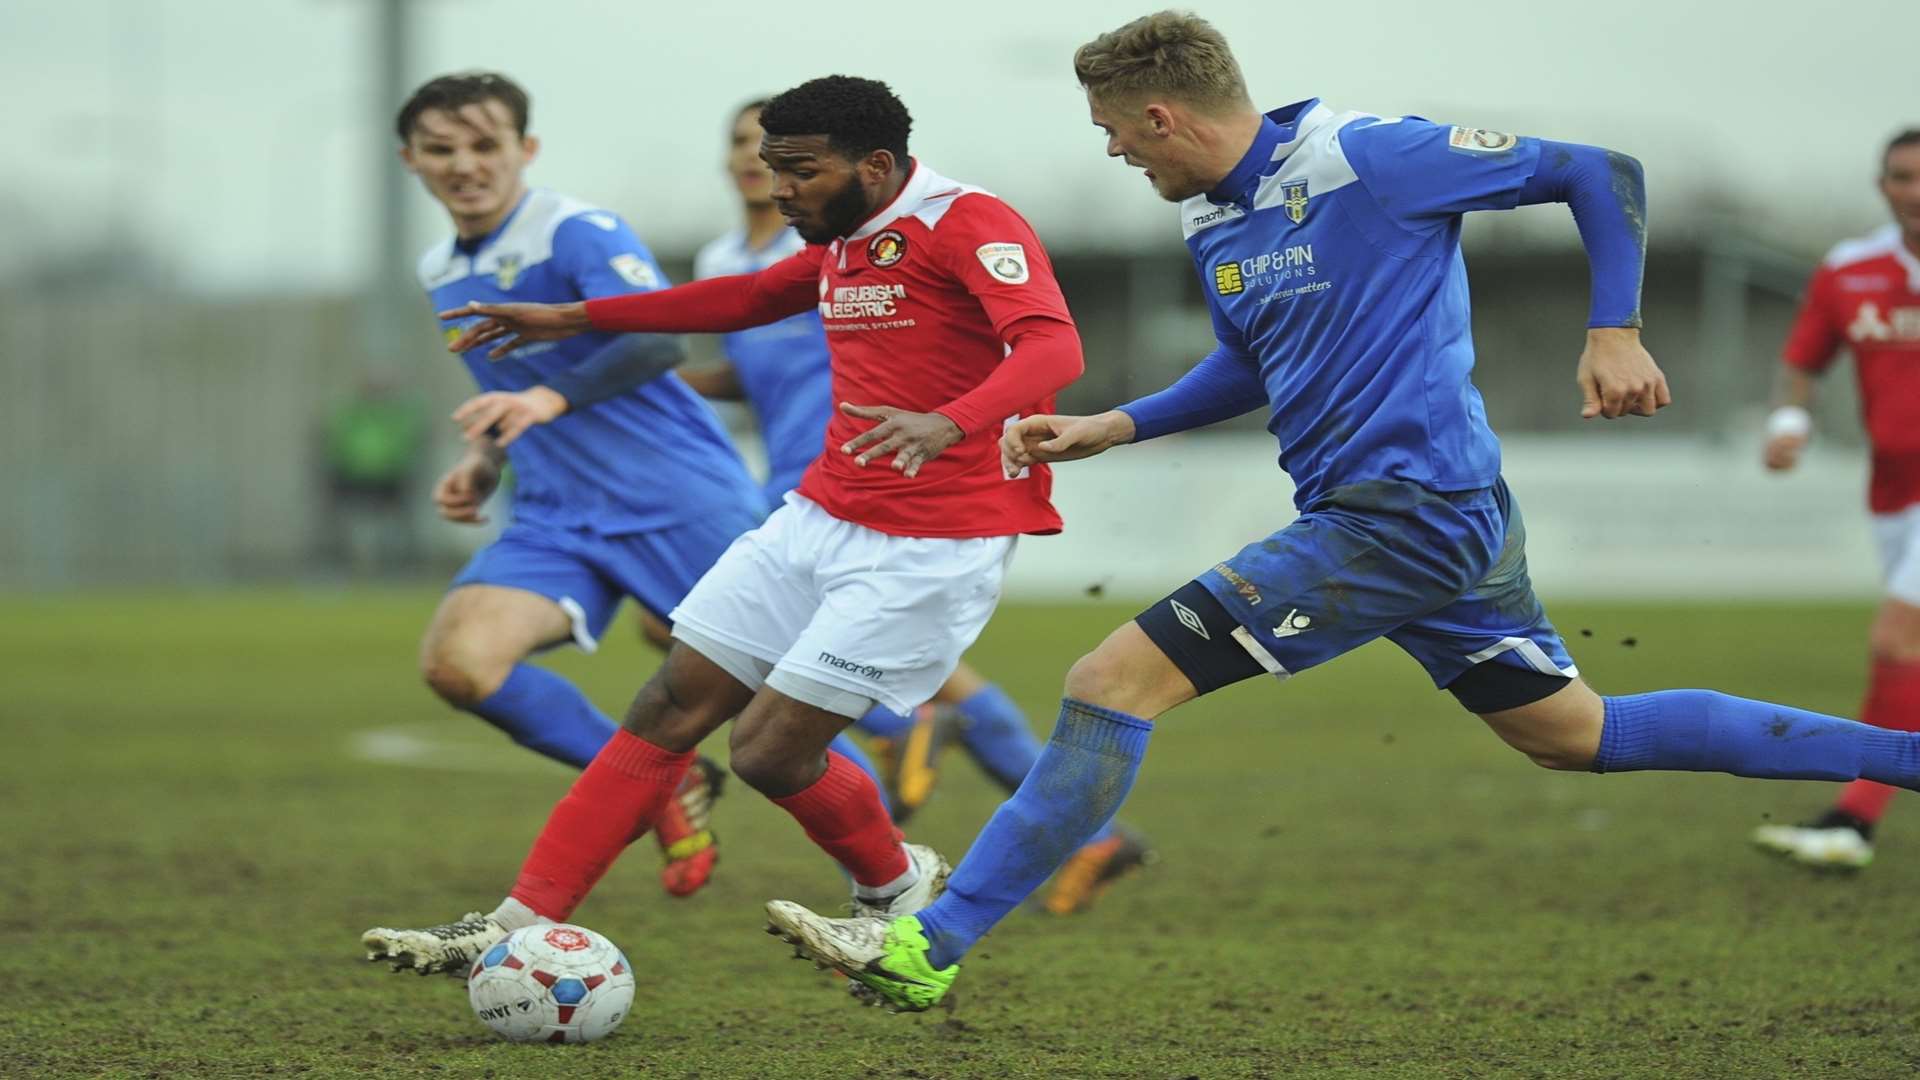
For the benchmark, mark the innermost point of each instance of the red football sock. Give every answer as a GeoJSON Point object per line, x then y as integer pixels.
{"type": "Point", "coordinates": [1893, 701]}
{"type": "Point", "coordinates": [613, 804]}
{"type": "Point", "coordinates": [842, 813]}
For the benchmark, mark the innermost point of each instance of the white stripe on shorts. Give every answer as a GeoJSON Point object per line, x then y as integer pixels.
{"type": "Point", "coordinates": [1530, 651]}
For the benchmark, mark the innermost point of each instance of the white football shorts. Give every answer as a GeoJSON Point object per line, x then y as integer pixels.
{"type": "Point", "coordinates": [1898, 535]}
{"type": "Point", "coordinates": [840, 615]}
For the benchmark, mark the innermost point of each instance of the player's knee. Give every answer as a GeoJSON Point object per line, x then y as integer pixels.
{"type": "Point", "coordinates": [663, 718]}
{"type": "Point", "coordinates": [1099, 678]}
{"type": "Point", "coordinates": [768, 765]}
{"type": "Point", "coordinates": [1563, 757]}
{"type": "Point", "coordinates": [460, 679]}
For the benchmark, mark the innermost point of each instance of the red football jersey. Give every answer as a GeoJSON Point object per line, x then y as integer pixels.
{"type": "Point", "coordinates": [915, 302]}
{"type": "Point", "coordinates": [1866, 294]}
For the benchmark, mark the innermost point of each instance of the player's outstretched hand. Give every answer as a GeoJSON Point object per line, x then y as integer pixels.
{"type": "Point", "coordinates": [1617, 377]}
{"type": "Point", "coordinates": [513, 325]}
{"type": "Point", "coordinates": [1032, 440]}
{"type": "Point", "coordinates": [465, 487]}
{"type": "Point", "coordinates": [504, 416]}
{"type": "Point", "coordinates": [912, 438]}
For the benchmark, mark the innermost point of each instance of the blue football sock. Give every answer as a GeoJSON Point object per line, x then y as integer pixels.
{"type": "Point", "coordinates": [548, 715]}
{"type": "Point", "coordinates": [1705, 731]}
{"type": "Point", "coordinates": [850, 750]}
{"type": "Point", "coordinates": [996, 735]}
{"type": "Point", "coordinates": [1071, 793]}
{"type": "Point", "coordinates": [883, 723]}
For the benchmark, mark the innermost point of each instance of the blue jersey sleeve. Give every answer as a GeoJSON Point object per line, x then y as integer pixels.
{"type": "Point", "coordinates": [1422, 174]}
{"type": "Point", "coordinates": [602, 257]}
{"type": "Point", "coordinates": [1224, 384]}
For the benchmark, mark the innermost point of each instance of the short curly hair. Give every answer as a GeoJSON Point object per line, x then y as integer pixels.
{"type": "Point", "coordinates": [1176, 53]}
{"type": "Point", "coordinates": [858, 116]}
{"type": "Point", "coordinates": [451, 93]}
{"type": "Point", "coordinates": [1909, 137]}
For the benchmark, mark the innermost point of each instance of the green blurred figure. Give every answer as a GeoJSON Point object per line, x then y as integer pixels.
{"type": "Point", "coordinates": [371, 446]}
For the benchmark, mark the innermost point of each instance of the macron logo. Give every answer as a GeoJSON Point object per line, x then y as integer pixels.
{"type": "Point", "coordinates": [853, 667]}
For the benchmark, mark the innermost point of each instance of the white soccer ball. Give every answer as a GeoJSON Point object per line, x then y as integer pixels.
{"type": "Point", "coordinates": [553, 983]}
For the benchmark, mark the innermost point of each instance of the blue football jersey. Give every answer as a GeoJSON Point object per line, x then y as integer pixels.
{"type": "Point", "coordinates": [1330, 260]}
{"type": "Point", "coordinates": [647, 459]}
{"type": "Point", "coordinates": [783, 366]}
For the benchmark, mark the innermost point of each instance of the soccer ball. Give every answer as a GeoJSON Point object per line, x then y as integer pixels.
{"type": "Point", "coordinates": [552, 983]}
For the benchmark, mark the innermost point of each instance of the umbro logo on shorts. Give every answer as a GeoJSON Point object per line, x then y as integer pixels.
{"type": "Point", "coordinates": [1294, 623]}
{"type": "Point", "coordinates": [1190, 619]}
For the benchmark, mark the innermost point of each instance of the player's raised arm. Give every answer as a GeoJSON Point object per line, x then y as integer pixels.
{"type": "Point", "coordinates": [1423, 175]}
{"type": "Point", "coordinates": [600, 256]}
{"type": "Point", "coordinates": [714, 306]}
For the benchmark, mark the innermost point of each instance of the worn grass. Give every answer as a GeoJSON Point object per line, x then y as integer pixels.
{"type": "Point", "coordinates": [1356, 880]}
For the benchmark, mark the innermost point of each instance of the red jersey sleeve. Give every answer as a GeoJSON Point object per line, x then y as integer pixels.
{"type": "Point", "coordinates": [995, 254]}
{"type": "Point", "coordinates": [717, 305]}
{"type": "Point", "coordinates": [1816, 334]}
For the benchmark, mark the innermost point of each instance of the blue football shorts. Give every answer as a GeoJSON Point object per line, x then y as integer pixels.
{"type": "Point", "coordinates": [588, 574]}
{"type": "Point", "coordinates": [1443, 575]}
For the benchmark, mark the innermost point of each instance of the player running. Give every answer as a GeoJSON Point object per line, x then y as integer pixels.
{"type": "Point", "coordinates": [1328, 246]}
{"type": "Point", "coordinates": [630, 487]}
{"type": "Point", "coordinates": [1866, 295]}
{"type": "Point", "coordinates": [944, 323]}
{"type": "Point", "coordinates": [781, 370]}
{"type": "Point", "coordinates": [603, 506]}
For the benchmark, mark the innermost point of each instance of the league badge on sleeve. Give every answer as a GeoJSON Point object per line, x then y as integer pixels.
{"type": "Point", "coordinates": [1006, 262]}
{"type": "Point", "coordinates": [1481, 141]}
{"type": "Point", "coordinates": [635, 271]}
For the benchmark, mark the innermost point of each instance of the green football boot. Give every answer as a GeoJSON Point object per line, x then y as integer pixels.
{"type": "Point", "coordinates": [886, 956]}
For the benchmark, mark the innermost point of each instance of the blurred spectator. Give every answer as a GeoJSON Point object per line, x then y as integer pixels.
{"type": "Point", "coordinates": [371, 447]}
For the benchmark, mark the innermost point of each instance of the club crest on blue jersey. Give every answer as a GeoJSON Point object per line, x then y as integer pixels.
{"type": "Point", "coordinates": [508, 273]}
{"type": "Point", "coordinates": [1293, 199]}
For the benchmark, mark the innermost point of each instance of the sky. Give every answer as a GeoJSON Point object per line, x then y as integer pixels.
{"type": "Point", "coordinates": [239, 141]}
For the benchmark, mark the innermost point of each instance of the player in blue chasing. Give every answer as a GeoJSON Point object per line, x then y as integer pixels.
{"type": "Point", "coordinates": [625, 484]}
{"type": "Point", "coordinates": [1328, 244]}
{"type": "Point", "coordinates": [781, 371]}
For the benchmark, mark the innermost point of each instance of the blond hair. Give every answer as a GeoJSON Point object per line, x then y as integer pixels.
{"type": "Point", "coordinates": [1173, 53]}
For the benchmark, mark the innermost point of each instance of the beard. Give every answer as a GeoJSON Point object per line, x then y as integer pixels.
{"type": "Point", "coordinates": [843, 213]}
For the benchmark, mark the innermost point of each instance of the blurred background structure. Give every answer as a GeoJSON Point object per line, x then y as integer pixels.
{"type": "Point", "coordinates": [209, 327]}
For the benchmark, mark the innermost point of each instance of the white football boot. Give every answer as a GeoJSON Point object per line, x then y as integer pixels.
{"type": "Point", "coordinates": [450, 947]}
{"type": "Point", "coordinates": [925, 889]}
{"type": "Point", "coordinates": [1825, 844]}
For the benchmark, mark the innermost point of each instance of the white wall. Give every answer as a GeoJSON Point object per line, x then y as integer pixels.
{"type": "Point", "coordinates": [1647, 517]}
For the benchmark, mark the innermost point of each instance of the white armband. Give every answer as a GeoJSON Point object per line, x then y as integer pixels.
{"type": "Point", "coordinates": [1789, 420]}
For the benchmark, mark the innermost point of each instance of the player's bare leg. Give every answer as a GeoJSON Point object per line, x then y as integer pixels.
{"type": "Point", "coordinates": [1560, 731]}
{"type": "Point", "coordinates": [479, 633]}
{"type": "Point", "coordinates": [615, 801]}
{"type": "Point", "coordinates": [1842, 838]}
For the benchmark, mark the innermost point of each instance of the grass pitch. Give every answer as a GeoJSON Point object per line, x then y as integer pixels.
{"type": "Point", "coordinates": [207, 797]}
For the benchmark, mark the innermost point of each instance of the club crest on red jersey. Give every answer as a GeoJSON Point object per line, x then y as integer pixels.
{"type": "Point", "coordinates": [886, 248]}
